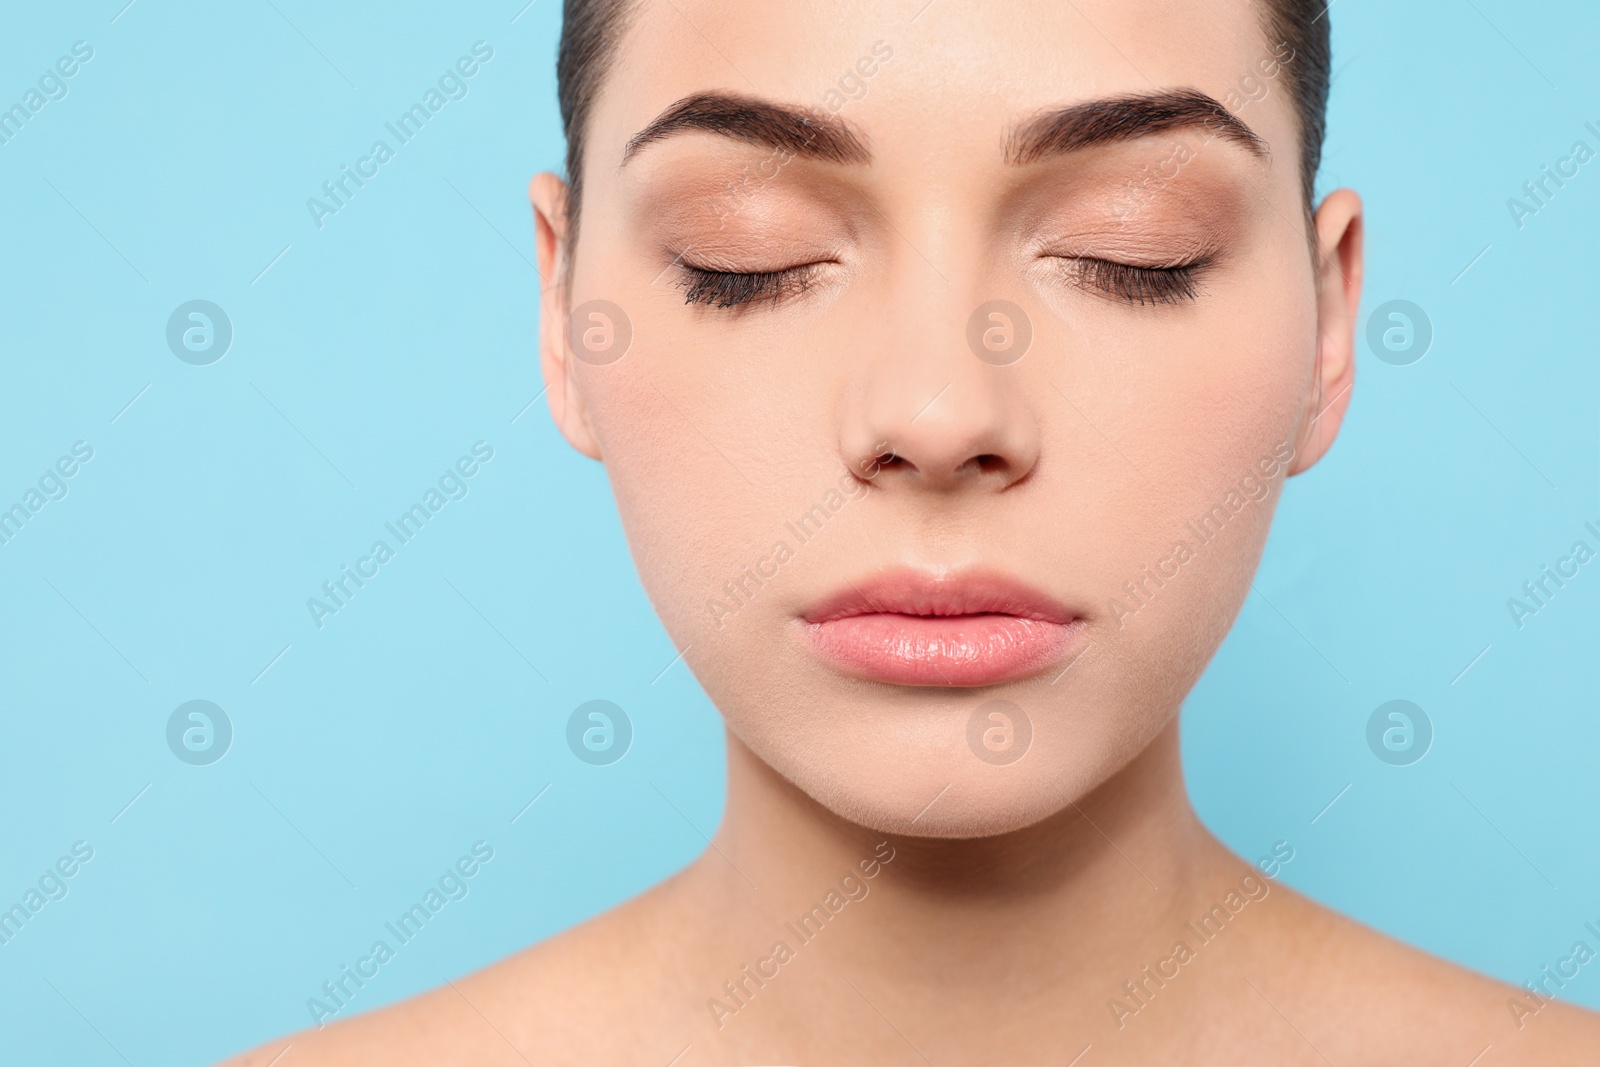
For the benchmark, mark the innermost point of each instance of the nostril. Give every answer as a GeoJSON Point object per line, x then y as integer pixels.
{"type": "Point", "coordinates": [989, 463]}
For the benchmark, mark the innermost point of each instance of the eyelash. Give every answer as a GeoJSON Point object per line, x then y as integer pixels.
{"type": "Point", "coordinates": [1124, 281]}
{"type": "Point", "coordinates": [729, 289]}
{"type": "Point", "coordinates": [1139, 285]}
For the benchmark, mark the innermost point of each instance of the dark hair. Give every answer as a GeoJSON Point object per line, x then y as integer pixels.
{"type": "Point", "coordinates": [1302, 25]}
{"type": "Point", "coordinates": [592, 29]}
{"type": "Point", "coordinates": [590, 32]}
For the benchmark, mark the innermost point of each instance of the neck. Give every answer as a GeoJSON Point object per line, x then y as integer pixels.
{"type": "Point", "coordinates": [1067, 902]}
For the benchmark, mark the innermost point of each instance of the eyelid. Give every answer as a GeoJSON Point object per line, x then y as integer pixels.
{"type": "Point", "coordinates": [709, 264]}
{"type": "Point", "coordinates": [1188, 261]}
{"type": "Point", "coordinates": [1154, 247]}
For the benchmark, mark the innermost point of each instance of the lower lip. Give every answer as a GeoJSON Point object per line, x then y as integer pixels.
{"type": "Point", "coordinates": [943, 650]}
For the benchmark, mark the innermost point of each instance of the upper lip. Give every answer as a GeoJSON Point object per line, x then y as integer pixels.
{"type": "Point", "coordinates": [909, 591]}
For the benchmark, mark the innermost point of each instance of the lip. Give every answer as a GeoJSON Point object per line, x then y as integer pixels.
{"type": "Point", "coordinates": [966, 628]}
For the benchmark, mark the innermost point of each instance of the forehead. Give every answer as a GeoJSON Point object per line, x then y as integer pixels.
{"type": "Point", "coordinates": [955, 73]}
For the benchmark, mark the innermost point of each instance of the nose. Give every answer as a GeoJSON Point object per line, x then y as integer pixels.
{"type": "Point", "coordinates": [926, 412]}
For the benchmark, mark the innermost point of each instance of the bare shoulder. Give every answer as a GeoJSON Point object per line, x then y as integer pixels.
{"type": "Point", "coordinates": [1379, 1000]}
{"type": "Point", "coordinates": [590, 994]}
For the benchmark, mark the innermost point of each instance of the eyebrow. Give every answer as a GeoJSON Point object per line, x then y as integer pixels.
{"type": "Point", "coordinates": [1123, 118]}
{"type": "Point", "coordinates": [813, 134]}
{"type": "Point", "coordinates": [803, 132]}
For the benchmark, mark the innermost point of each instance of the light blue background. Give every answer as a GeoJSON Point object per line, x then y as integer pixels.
{"type": "Point", "coordinates": [376, 350]}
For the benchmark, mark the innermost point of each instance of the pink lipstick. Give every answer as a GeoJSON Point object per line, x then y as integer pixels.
{"type": "Point", "coordinates": [968, 628]}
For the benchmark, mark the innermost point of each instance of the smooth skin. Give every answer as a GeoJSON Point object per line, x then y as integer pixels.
{"type": "Point", "coordinates": [1006, 905]}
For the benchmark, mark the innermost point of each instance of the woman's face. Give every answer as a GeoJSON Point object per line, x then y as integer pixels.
{"type": "Point", "coordinates": [980, 387]}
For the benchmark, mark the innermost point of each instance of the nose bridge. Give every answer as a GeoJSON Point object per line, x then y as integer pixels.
{"type": "Point", "coordinates": [942, 391]}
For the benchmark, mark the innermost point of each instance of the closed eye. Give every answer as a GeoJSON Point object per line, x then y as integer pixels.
{"type": "Point", "coordinates": [1136, 284]}
{"type": "Point", "coordinates": [729, 289]}
{"type": "Point", "coordinates": [1130, 283]}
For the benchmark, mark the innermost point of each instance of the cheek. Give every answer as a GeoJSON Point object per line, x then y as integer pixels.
{"type": "Point", "coordinates": [1191, 409]}
{"type": "Point", "coordinates": [703, 446]}
{"type": "Point", "coordinates": [716, 431]}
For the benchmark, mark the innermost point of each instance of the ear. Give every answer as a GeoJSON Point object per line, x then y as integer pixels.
{"type": "Point", "coordinates": [1339, 239]}
{"type": "Point", "coordinates": [548, 195]}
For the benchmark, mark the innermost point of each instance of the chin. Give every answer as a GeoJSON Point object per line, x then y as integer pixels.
{"type": "Point", "coordinates": [955, 765]}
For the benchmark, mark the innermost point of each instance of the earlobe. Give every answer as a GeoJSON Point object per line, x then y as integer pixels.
{"type": "Point", "coordinates": [548, 195]}
{"type": "Point", "coordinates": [1339, 263]}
